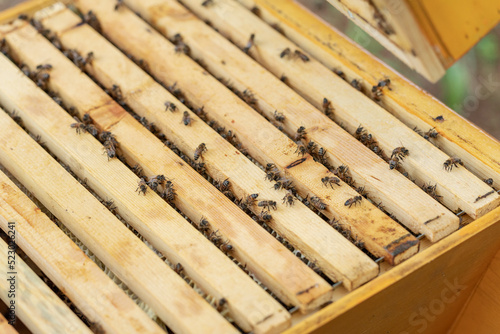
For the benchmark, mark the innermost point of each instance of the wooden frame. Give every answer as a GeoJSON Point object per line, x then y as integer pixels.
{"type": "Point", "coordinates": [441, 277]}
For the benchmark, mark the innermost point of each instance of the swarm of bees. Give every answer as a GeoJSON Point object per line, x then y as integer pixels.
{"type": "Point", "coordinates": [367, 139]}
{"type": "Point", "coordinates": [378, 89]}
{"type": "Point", "coordinates": [180, 46]}
{"type": "Point", "coordinates": [353, 201]}
{"type": "Point", "coordinates": [452, 162]}
{"type": "Point", "coordinates": [296, 54]}
{"type": "Point", "coordinates": [250, 43]}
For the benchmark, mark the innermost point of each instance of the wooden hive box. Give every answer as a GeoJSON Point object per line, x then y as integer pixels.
{"type": "Point", "coordinates": [263, 176]}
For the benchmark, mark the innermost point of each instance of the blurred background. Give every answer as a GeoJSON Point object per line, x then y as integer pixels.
{"type": "Point", "coordinates": [480, 66]}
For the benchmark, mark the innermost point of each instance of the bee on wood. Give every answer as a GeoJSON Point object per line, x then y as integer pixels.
{"type": "Point", "coordinates": [489, 182]}
{"type": "Point", "coordinates": [215, 238]}
{"type": "Point", "coordinates": [400, 152]}
{"type": "Point", "coordinates": [340, 73]}
{"type": "Point", "coordinates": [25, 69]}
{"type": "Point", "coordinates": [204, 225]}
{"type": "Point", "coordinates": [255, 10]}
{"type": "Point", "coordinates": [356, 84]}
{"type": "Point", "coordinates": [169, 193]}
{"type": "Point", "coordinates": [249, 97]}
{"type": "Point", "coordinates": [301, 55]}
{"type": "Point", "coordinates": [378, 89]}
{"type": "Point", "coordinates": [321, 156]}
{"type": "Point", "coordinates": [202, 148]}
{"type": "Point", "coordinates": [439, 119]}
{"type": "Point", "coordinates": [222, 302]}
{"type": "Point", "coordinates": [250, 200]}
{"type": "Point", "coordinates": [180, 46]}
{"type": "Point", "coordinates": [394, 163]}
{"type": "Point", "coordinates": [452, 162]}
{"type": "Point", "coordinates": [250, 43]}
{"type": "Point", "coordinates": [110, 143]}
{"type": "Point", "coordinates": [79, 126]}
{"type": "Point", "coordinates": [91, 129]}
{"type": "Point", "coordinates": [330, 181]}
{"type": "Point", "coordinates": [276, 27]}
{"type": "Point", "coordinates": [186, 119]}
{"type": "Point", "coordinates": [142, 186]}
{"type": "Point", "coordinates": [312, 147]}
{"type": "Point", "coordinates": [86, 119]}
{"type": "Point", "coordinates": [327, 107]}
{"type": "Point", "coordinates": [116, 93]}
{"type": "Point", "coordinates": [91, 19]}
{"type": "Point", "coordinates": [300, 134]}
{"type": "Point", "coordinates": [156, 181]}
{"type": "Point", "coordinates": [431, 190]}
{"type": "Point", "coordinates": [362, 191]}
{"type": "Point", "coordinates": [265, 216]}
{"type": "Point", "coordinates": [353, 201]}
{"type": "Point", "coordinates": [119, 4]}
{"type": "Point", "coordinates": [272, 172]}
{"type": "Point", "coordinates": [225, 185]}
{"type": "Point", "coordinates": [200, 167]}
{"type": "Point", "coordinates": [430, 134]}
{"type": "Point", "coordinates": [226, 247]}
{"type": "Point", "coordinates": [170, 106]}
{"type": "Point", "coordinates": [267, 204]}
{"type": "Point", "coordinates": [44, 67]}
{"type": "Point", "coordinates": [137, 170]}
{"type": "Point", "coordinates": [289, 199]}
{"type": "Point", "coordinates": [283, 183]}
{"type": "Point", "coordinates": [341, 171]}
{"type": "Point", "coordinates": [207, 3]}
{"type": "Point", "coordinates": [285, 53]}
{"type": "Point", "coordinates": [284, 79]}
{"type": "Point", "coordinates": [279, 116]}
{"type": "Point", "coordinates": [318, 203]}
{"type": "Point", "coordinates": [301, 148]}
{"type": "Point", "coordinates": [179, 269]}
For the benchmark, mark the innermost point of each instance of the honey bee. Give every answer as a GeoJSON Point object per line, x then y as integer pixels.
{"type": "Point", "coordinates": [250, 43]}
{"type": "Point", "coordinates": [318, 203]}
{"type": "Point", "coordinates": [156, 181]}
{"type": "Point", "coordinates": [301, 148]}
{"type": "Point", "coordinates": [301, 55]}
{"type": "Point", "coordinates": [340, 73]}
{"type": "Point", "coordinates": [110, 143]}
{"type": "Point", "coordinates": [452, 162]}
{"type": "Point", "coordinates": [119, 4]}
{"type": "Point", "coordinates": [327, 107]}
{"type": "Point", "coordinates": [222, 302]}
{"type": "Point", "coordinates": [267, 204]}
{"type": "Point", "coordinates": [279, 116]}
{"type": "Point", "coordinates": [207, 3]}
{"type": "Point", "coordinates": [400, 152]}
{"type": "Point", "coordinates": [170, 106]}
{"type": "Point", "coordinates": [394, 163]}
{"type": "Point", "coordinates": [285, 52]}
{"type": "Point", "coordinates": [439, 119]}
{"type": "Point", "coordinates": [91, 19]}
{"type": "Point", "coordinates": [204, 225]}
{"type": "Point", "coordinates": [78, 126]}
{"type": "Point", "coordinates": [169, 193]}
{"type": "Point", "coordinates": [178, 269]}
{"type": "Point", "coordinates": [356, 84]}
{"type": "Point", "coordinates": [300, 134]}
{"type": "Point", "coordinates": [283, 183]}
{"type": "Point", "coordinates": [272, 172]}
{"type": "Point", "coordinates": [137, 170]}
{"type": "Point", "coordinates": [249, 97]}
{"type": "Point", "coordinates": [250, 200]}
{"type": "Point", "coordinates": [186, 119]}
{"type": "Point", "coordinates": [289, 199]}
{"type": "Point", "coordinates": [265, 216]}
{"type": "Point", "coordinates": [142, 186]}
{"type": "Point", "coordinates": [180, 46]}
{"type": "Point", "coordinates": [116, 94]}
{"type": "Point", "coordinates": [430, 134]}
{"type": "Point", "coordinates": [330, 181]}
{"type": "Point", "coordinates": [226, 247]}
{"type": "Point", "coordinates": [91, 129]}
{"type": "Point", "coordinates": [489, 182]}
{"type": "Point", "coordinates": [378, 89]}
{"type": "Point", "coordinates": [312, 147]}
{"type": "Point", "coordinates": [353, 201]}
{"type": "Point", "coordinates": [321, 156]}
{"type": "Point", "coordinates": [202, 148]}
{"type": "Point", "coordinates": [431, 190]}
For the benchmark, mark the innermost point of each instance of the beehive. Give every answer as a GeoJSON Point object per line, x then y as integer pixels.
{"type": "Point", "coordinates": [278, 209]}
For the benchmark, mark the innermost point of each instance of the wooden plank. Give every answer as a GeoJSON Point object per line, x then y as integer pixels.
{"type": "Point", "coordinates": [116, 246]}
{"type": "Point", "coordinates": [399, 195]}
{"type": "Point", "coordinates": [336, 257]}
{"type": "Point", "coordinates": [423, 294]}
{"type": "Point", "coordinates": [381, 235]}
{"type": "Point", "coordinates": [94, 293]}
{"type": "Point", "coordinates": [5, 327]}
{"type": "Point", "coordinates": [35, 303]}
{"type": "Point", "coordinates": [480, 314]}
{"type": "Point", "coordinates": [408, 103]}
{"type": "Point", "coordinates": [459, 188]}
{"type": "Point", "coordinates": [142, 146]}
